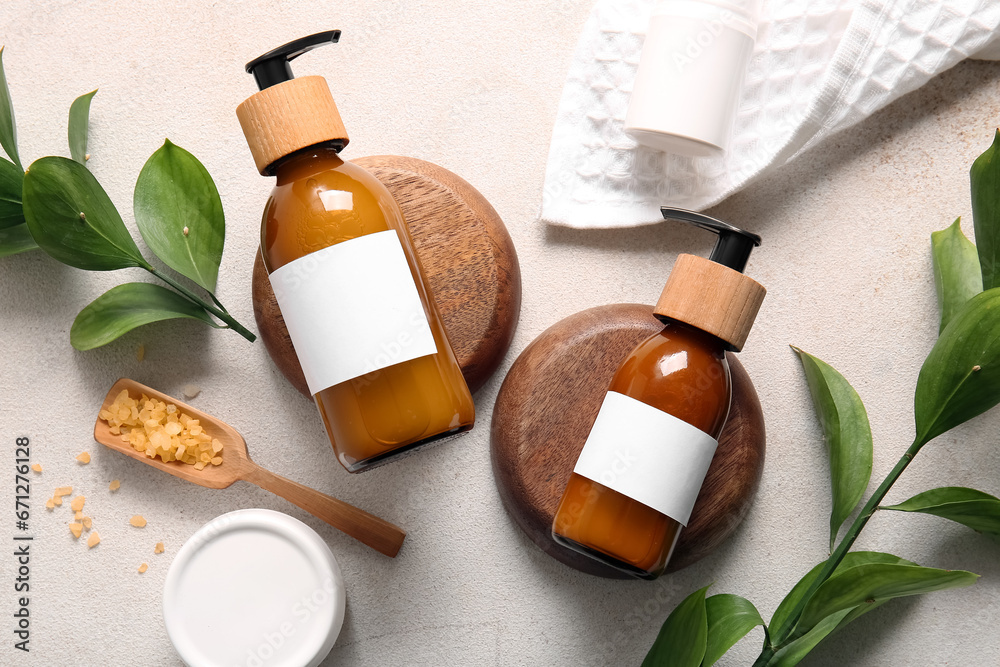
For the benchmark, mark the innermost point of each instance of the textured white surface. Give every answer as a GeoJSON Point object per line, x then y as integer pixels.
{"type": "Point", "coordinates": [819, 67]}
{"type": "Point", "coordinates": [474, 87]}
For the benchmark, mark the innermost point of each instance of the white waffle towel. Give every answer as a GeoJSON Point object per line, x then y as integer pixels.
{"type": "Point", "coordinates": [819, 67]}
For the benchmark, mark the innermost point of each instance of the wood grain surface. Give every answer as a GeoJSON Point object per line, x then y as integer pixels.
{"type": "Point", "coordinates": [287, 117]}
{"type": "Point", "coordinates": [712, 297]}
{"type": "Point", "coordinates": [467, 256]}
{"type": "Point", "coordinates": [548, 403]}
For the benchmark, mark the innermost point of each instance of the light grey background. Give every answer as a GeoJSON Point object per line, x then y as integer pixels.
{"type": "Point", "coordinates": [473, 87]}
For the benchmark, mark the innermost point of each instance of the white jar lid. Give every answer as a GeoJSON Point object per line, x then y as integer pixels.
{"type": "Point", "coordinates": [254, 587]}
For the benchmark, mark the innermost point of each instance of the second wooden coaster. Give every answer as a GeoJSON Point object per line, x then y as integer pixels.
{"type": "Point", "coordinates": [548, 403]}
{"type": "Point", "coordinates": [467, 256]}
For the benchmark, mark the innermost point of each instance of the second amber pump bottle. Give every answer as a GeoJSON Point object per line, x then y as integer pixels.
{"type": "Point", "coordinates": [349, 284]}
{"type": "Point", "coordinates": [640, 471]}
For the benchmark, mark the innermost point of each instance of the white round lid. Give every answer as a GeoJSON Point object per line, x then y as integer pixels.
{"type": "Point", "coordinates": [254, 587]}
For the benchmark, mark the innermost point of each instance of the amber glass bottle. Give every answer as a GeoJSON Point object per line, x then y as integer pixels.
{"type": "Point", "coordinates": [681, 371]}
{"type": "Point", "coordinates": [349, 284]}
{"type": "Point", "coordinates": [640, 471]}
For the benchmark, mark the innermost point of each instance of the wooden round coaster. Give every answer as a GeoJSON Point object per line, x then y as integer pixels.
{"type": "Point", "coordinates": [548, 403]}
{"type": "Point", "coordinates": [468, 258]}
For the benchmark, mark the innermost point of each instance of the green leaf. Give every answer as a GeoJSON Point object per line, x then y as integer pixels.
{"type": "Point", "coordinates": [125, 307]}
{"type": "Point", "coordinates": [956, 270]}
{"type": "Point", "coordinates": [682, 640]}
{"type": "Point", "coordinates": [781, 619]}
{"type": "Point", "coordinates": [876, 582]}
{"type": "Point", "coordinates": [16, 239]}
{"type": "Point", "coordinates": [8, 128]}
{"type": "Point", "coordinates": [792, 653]}
{"type": "Point", "coordinates": [985, 177]}
{"type": "Point", "coordinates": [961, 376]}
{"type": "Point", "coordinates": [72, 218]}
{"type": "Point", "coordinates": [175, 193]}
{"type": "Point", "coordinates": [79, 122]}
{"type": "Point", "coordinates": [11, 180]}
{"type": "Point", "coordinates": [847, 434]}
{"type": "Point", "coordinates": [975, 509]}
{"type": "Point", "coordinates": [730, 618]}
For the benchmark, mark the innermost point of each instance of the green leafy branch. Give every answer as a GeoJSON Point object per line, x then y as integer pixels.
{"type": "Point", "coordinates": [959, 380]}
{"type": "Point", "coordinates": [59, 206]}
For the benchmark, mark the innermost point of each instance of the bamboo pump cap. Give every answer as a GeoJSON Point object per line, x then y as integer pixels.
{"type": "Point", "coordinates": [289, 114]}
{"type": "Point", "coordinates": [713, 294]}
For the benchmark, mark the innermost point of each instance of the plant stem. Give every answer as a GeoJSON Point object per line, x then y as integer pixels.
{"type": "Point", "coordinates": [218, 303]}
{"type": "Point", "coordinates": [788, 636]}
{"type": "Point", "coordinates": [191, 296]}
{"type": "Point", "coordinates": [765, 656]}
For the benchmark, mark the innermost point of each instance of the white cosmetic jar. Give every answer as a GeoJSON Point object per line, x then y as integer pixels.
{"type": "Point", "coordinates": [254, 588]}
{"type": "Point", "coordinates": [691, 71]}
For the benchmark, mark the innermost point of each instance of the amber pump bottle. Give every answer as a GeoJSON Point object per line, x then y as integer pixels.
{"type": "Point", "coordinates": [347, 280]}
{"type": "Point", "coordinates": [644, 462]}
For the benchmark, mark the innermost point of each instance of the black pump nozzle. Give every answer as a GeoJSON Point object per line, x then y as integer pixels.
{"type": "Point", "coordinates": [273, 67]}
{"type": "Point", "coordinates": [734, 244]}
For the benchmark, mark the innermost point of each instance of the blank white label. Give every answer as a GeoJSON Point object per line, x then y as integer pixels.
{"type": "Point", "coordinates": [647, 455]}
{"type": "Point", "coordinates": [352, 308]}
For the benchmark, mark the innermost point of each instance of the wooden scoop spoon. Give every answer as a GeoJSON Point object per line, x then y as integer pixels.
{"type": "Point", "coordinates": [236, 464]}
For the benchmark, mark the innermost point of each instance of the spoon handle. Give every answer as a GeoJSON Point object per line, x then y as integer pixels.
{"type": "Point", "coordinates": [367, 528]}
